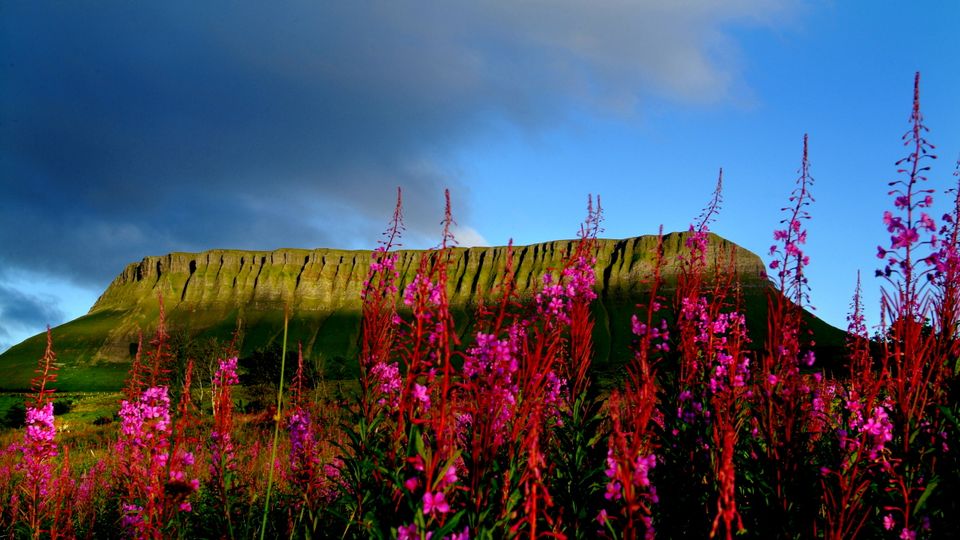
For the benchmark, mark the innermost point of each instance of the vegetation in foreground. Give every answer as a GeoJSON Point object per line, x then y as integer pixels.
{"type": "Point", "coordinates": [509, 435]}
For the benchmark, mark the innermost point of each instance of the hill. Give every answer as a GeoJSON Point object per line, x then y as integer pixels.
{"type": "Point", "coordinates": [205, 293]}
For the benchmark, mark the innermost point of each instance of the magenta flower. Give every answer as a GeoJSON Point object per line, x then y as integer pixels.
{"type": "Point", "coordinates": [387, 382]}
{"type": "Point", "coordinates": [449, 477]}
{"type": "Point", "coordinates": [435, 502]}
{"type": "Point", "coordinates": [906, 237]}
{"type": "Point", "coordinates": [39, 448]}
{"type": "Point", "coordinates": [462, 535]}
{"type": "Point", "coordinates": [407, 532]}
{"type": "Point", "coordinates": [226, 373]}
{"type": "Point", "coordinates": [421, 394]}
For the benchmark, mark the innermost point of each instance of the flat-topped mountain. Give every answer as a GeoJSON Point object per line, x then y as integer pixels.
{"type": "Point", "coordinates": [204, 294]}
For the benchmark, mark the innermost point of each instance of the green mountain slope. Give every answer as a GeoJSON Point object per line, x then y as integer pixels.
{"type": "Point", "coordinates": [205, 293]}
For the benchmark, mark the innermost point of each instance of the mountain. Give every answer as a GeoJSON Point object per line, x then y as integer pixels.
{"type": "Point", "coordinates": [205, 293]}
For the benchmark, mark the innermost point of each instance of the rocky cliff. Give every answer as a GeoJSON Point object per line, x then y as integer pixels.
{"type": "Point", "coordinates": [205, 293]}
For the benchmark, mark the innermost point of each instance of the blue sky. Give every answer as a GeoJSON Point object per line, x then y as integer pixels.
{"type": "Point", "coordinates": [129, 130]}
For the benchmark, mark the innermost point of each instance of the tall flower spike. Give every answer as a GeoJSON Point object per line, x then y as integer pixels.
{"type": "Point", "coordinates": [710, 212]}
{"type": "Point", "coordinates": [46, 374]}
{"type": "Point", "coordinates": [448, 224]}
{"type": "Point", "coordinates": [910, 201]}
{"type": "Point", "coordinates": [790, 259]}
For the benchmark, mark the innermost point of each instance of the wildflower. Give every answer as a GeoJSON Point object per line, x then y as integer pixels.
{"type": "Point", "coordinates": [449, 477]}
{"type": "Point", "coordinates": [435, 503]}
{"type": "Point", "coordinates": [387, 381]}
{"type": "Point", "coordinates": [226, 373]}
{"type": "Point", "coordinates": [421, 394]}
{"type": "Point", "coordinates": [132, 516]}
{"type": "Point", "coordinates": [407, 532]}
{"type": "Point", "coordinates": [906, 238]}
{"type": "Point", "coordinates": [613, 491]}
{"type": "Point", "coordinates": [462, 535]}
{"type": "Point", "coordinates": [38, 449]}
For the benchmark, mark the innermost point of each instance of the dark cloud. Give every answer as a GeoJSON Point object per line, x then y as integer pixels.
{"type": "Point", "coordinates": [129, 129]}
{"type": "Point", "coordinates": [20, 311]}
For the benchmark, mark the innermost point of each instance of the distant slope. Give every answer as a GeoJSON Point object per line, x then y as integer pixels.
{"type": "Point", "coordinates": [205, 293]}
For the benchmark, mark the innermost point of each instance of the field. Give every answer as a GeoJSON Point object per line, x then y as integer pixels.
{"type": "Point", "coordinates": [510, 431]}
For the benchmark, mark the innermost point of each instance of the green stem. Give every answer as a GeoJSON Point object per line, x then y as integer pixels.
{"type": "Point", "coordinates": [276, 427]}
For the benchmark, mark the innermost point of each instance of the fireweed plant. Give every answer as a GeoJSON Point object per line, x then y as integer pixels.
{"type": "Point", "coordinates": [494, 422]}
{"type": "Point", "coordinates": [633, 412]}
{"type": "Point", "coordinates": [916, 345]}
{"type": "Point", "coordinates": [781, 394]}
{"type": "Point", "coordinates": [41, 494]}
{"type": "Point", "coordinates": [703, 307]}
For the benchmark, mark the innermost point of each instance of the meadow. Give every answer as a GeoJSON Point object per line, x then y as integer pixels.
{"type": "Point", "coordinates": [511, 434]}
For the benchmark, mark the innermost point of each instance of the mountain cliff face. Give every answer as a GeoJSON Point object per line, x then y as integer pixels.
{"type": "Point", "coordinates": [205, 293]}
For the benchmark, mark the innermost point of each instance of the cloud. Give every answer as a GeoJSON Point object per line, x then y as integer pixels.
{"type": "Point", "coordinates": [469, 237]}
{"type": "Point", "coordinates": [24, 313]}
{"type": "Point", "coordinates": [135, 129]}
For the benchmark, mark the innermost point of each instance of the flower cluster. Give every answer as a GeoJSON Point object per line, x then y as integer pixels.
{"type": "Point", "coordinates": [384, 264]}
{"type": "Point", "coordinates": [635, 474]}
{"type": "Point", "coordinates": [303, 458]}
{"type": "Point", "coordinates": [580, 278]}
{"type": "Point", "coordinates": [422, 287]}
{"type": "Point", "coordinates": [386, 377]}
{"type": "Point", "coordinates": [144, 450]}
{"type": "Point", "coordinates": [879, 430]}
{"type": "Point", "coordinates": [576, 282]}
{"type": "Point", "coordinates": [910, 200]}
{"type": "Point", "coordinates": [221, 438]}
{"type": "Point", "coordinates": [39, 448]}
{"type": "Point", "coordinates": [145, 422]}
{"type": "Point", "coordinates": [659, 336]}
{"type": "Point", "coordinates": [492, 365]}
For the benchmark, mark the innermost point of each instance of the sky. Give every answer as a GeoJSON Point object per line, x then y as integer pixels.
{"type": "Point", "coordinates": [130, 129]}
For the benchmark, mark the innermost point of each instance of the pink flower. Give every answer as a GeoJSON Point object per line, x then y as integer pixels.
{"type": "Point", "coordinates": [387, 381]}
{"type": "Point", "coordinates": [450, 477]}
{"type": "Point", "coordinates": [420, 394]}
{"type": "Point", "coordinates": [408, 532]}
{"type": "Point", "coordinates": [39, 447]}
{"type": "Point", "coordinates": [613, 491]}
{"type": "Point", "coordinates": [226, 373]}
{"type": "Point", "coordinates": [602, 517]}
{"type": "Point", "coordinates": [435, 503]}
{"type": "Point", "coordinates": [462, 535]}
{"type": "Point", "coordinates": [906, 237]}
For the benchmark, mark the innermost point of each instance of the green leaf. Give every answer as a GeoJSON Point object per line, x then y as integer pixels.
{"type": "Point", "coordinates": [926, 494]}
{"type": "Point", "coordinates": [950, 416]}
